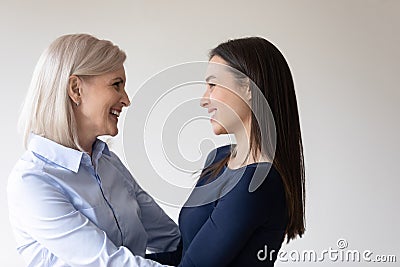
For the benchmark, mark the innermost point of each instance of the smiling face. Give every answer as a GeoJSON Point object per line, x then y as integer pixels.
{"type": "Point", "coordinates": [227, 102]}
{"type": "Point", "coordinates": [100, 101]}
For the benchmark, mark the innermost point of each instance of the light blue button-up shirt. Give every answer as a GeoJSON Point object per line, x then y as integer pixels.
{"type": "Point", "coordinates": [68, 209]}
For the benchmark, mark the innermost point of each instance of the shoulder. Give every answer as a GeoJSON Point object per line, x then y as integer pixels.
{"type": "Point", "coordinates": [268, 173]}
{"type": "Point", "coordinates": [30, 180]}
{"type": "Point", "coordinates": [29, 167]}
{"type": "Point", "coordinates": [259, 178]}
{"type": "Point", "coordinates": [119, 164]}
{"type": "Point", "coordinates": [115, 162]}
{"type": "Point", "coordinates": [119, 167]}
{"type": "Point", "coordinates": [113, 158]}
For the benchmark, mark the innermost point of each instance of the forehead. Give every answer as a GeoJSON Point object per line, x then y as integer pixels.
{"type": "Point", "coordinates": [117, 73]}
{"type": "Point", "coordinates": [105, 78]}
{"type": "Point", "coordinates": [219, 72]}
{"type": "Point", "coordinates": [109, 76]}
{"type": "Point", "coordinates": [216, 68]}
{"type": "Point", "coordinates": [218, 59]}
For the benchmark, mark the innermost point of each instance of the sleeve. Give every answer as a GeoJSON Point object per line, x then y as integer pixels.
{"type": "Point", "coordinates": [232, 222]}
{"type": "Point", "coordinates": [48, 217]}
{"type": "Point", "coordinates": [163, 233]}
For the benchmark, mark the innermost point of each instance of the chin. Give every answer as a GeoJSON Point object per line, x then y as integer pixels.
{"type": "Point", "coordinates": [218, 129]}
{"type": "Point", "coordinates": [113, 132]}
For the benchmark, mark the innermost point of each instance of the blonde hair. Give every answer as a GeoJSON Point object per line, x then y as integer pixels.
{"type": "Point", "coordinates": [47, 110]}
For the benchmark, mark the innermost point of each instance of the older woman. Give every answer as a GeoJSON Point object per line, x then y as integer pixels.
{"type": "Point", "coordinates": [72, 202]}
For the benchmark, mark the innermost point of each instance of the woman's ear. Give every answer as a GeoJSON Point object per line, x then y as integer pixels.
{"type": "Point", "coordinates": [74, 89]}
{"type": "Point", "coordinates": [246, 91]}
{"type": "Point", "coordinates": [247, 94]}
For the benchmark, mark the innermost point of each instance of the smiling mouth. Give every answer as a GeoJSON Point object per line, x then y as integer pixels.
{"type": "Point", "coordinates": [115, 112]}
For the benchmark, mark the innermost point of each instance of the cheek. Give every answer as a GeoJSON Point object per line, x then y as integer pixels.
{"type": "Point", "coordinates": [239, 106]}
{"type": "Point", "coordinates": [243, 110]}
{"type": "Point", "coordinates": [98, 110]}
{"type": "Point", "coordinates": [233, 115]}
{"type": "Point", "coordinates": [221, 98]}
{"type": "Point", "coordinates": [106, 102]}
{"type": "Point", "coordinates": [230, 103]}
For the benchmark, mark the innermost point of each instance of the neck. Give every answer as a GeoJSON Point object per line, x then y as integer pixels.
{"type": "Point", "coordinates": [241, 156]}
{"type": "Point", "coordinates": [242, 144]}
{"type": "Point", "coordinates": [244, 153]}
{"type": "Point", "coordinates": [86, 144]}
{"type": "Point", "coordinates": [85, 138]}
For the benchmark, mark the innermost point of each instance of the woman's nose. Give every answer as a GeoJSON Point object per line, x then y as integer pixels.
{"type": "Point", "coordinates": [205, 99]}
{"type": "Point", "coordinates": [125, 99]}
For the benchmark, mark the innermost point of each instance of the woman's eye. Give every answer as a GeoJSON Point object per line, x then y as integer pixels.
{"type": "Point", "coordinates": [211, 85]}
{"type": "Point", "coordinates": [116, 85]}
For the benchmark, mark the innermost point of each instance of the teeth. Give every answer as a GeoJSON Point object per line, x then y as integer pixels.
{"type": "Point", "coordinates": [114, 112]}
{"type": "Point", "coordinates": [212, 113]}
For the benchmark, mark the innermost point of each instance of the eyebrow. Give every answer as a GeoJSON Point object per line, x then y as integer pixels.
{"type": "Point", "coordinates": [210, 77]}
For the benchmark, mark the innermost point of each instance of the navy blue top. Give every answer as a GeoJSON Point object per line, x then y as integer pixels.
{"type": "Point", "coordinates": [237, 228]}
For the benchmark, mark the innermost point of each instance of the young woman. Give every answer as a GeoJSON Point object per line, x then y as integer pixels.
{"type": "Point", "coordinates": [71, 200]}
{"type": "Point", "coordinates": [247, 223]}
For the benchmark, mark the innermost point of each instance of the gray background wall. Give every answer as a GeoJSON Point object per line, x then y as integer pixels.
{"type": "Point", "coordinates": [344, 56]}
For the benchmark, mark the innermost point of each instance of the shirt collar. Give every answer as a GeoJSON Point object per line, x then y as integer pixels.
{"type": "Point", "coordinates": [64, 156]}
{"type": "Point", "coordinates": [99, 147]}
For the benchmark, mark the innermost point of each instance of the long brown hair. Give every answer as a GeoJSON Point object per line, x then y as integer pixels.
{"type": "Point", "coordinates": [266, 67]}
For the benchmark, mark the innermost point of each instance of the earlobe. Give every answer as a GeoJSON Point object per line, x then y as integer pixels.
{"type": "Point", "coordinates": [74, 89]}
